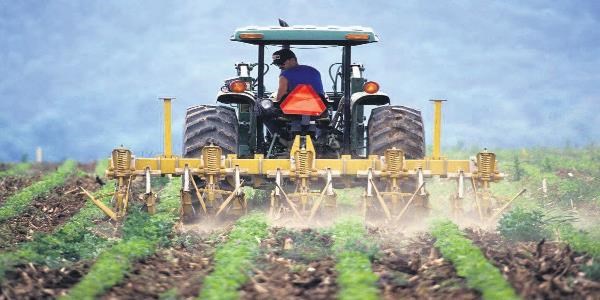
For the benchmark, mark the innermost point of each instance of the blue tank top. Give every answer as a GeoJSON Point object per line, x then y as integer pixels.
{"type": "Point", "coordinates": [302, 74]}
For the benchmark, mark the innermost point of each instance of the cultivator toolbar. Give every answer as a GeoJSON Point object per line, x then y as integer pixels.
{"type": "Point", "coordinates": [303, 185]}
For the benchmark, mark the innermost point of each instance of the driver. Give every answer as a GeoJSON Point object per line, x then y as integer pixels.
{"type": "Point", "coordinates": [293, 74]}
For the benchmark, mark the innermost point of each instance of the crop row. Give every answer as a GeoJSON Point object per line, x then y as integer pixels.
{"type": "Point", "coordinates": [142, 234]}
{"type": "Point", "coordinates": [470, 262]}
{"type": "Point", "coordinates": [233, 259]}
{"type": "Point", "coordinates": [15, 204]}
{"type": "Point", "coordinates": [15, 170]}
{"type": "Point", "coordinates": [72, 241]}
{"type": "Point", "coordinates": [352, 252]}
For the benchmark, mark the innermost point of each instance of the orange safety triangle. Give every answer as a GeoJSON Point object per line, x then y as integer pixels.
{"type": "Point", "coordinates": [303, 100]}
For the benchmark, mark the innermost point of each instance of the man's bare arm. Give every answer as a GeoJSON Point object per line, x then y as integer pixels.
{"type": "Point", "coordinates": [283, 86]}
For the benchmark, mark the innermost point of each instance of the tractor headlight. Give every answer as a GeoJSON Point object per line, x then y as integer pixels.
{"type": "Point", "coordinates": [266, 103]}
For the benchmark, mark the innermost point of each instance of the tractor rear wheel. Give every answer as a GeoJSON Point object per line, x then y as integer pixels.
{"type": "Point", "coordinates": [209, 124]}
{"type": "Point", "coordinates": [400, 127]}
{"type": "Point", "coordinates": [206, 125]}
{"type": "Point", "coordinates": [396, 126]}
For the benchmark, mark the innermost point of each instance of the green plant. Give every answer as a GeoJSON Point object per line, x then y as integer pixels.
{"type": "Point", "coordinates": [234, 258]}
{"type": "Point", "coordinates": [470, 262]}
{"type": "Point", "coordinates": [15, 204]}
{"type": "Point", "coordinates": [142, 234]}
{"type": "Point", "coordinates": [580, 240]}
{"type": "Point", "coordinates": [15, 170]}
{"type": "Point", "coordinates": [352, 252]}
{"type": "Point", "coordinates": [520, 224]}
{"type": "Point", "coordinates": [101, 166]}
{"type": "Point", "coordinates": [518, 171]}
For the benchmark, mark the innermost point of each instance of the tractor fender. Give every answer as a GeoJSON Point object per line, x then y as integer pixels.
{"type": "Point", "coordinates": [235, 98]}
{"type": "Point", "coordinates": [362, 98]}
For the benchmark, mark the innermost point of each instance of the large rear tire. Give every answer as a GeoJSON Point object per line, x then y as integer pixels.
{"type": "Point", "coordinates": [209, 124]}
{"type": "Point", "coordinates": [400, 127]}
{"type": "Point", "coordinates": [205, 125]}
{"type": "Point", "coordinates": [396, 126]}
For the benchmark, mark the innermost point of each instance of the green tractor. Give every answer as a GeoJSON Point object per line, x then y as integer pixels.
{"type": "Point", "coordinates": [239, 125]}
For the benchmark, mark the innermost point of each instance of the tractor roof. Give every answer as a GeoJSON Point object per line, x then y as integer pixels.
{"type": "Point", "coordinates": [305, 35]}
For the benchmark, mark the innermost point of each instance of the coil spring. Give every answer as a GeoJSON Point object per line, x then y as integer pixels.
{"type": "Point", "coordinates": [303, 162]}
{"type": "Point", "coordinates": [212, 158]}
{"type": "Point", "coordinates": [122, 161]}
{"type": "Point", "coordinates": [486, 165]}
{"type": "Point", "coordinates": [394, 159]}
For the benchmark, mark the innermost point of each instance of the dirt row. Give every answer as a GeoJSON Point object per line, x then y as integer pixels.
{"type": "Point", "coordinates": [412, 268]}
{"type": "Point", "coordinates": [293, 264]}
{"type": "Point", "coordinates": [12, 184]}
{"type": "Point", "coordinates": [44, 214]}
{"type": "Point", "coordinates": [177, 271]}
{"type": "Point", "coordinates": [543, 270]}
{"type": "Point", "coordinates": [30, 281]}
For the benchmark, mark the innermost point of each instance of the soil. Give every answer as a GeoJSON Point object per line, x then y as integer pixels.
{"type": "Point", "coordinates": [304, 271]}
{"type": "Point", "coordinates": [29, 281]}
{"type": "Point", "coordinates": [12, 184]}
{"type": "Point", "coordinates": [46, 213]}
{"type": "Point", "coordinates": [414, 269]}
{"type": "Point", "coordinates": [543, 270]}
{"type": "Point", "coordinates": [180, 270]}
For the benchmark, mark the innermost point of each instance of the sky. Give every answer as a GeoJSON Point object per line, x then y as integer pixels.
{"type": "Point", "coordinates": [79, 78]}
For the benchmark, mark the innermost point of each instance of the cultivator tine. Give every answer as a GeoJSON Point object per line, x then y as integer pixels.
{"type": "Point", "coordinates": [126, 199]}
{"type": "Point", "coordinates": [317, 203]}
{"type": "Point", "coordinates": [100, 205]}
{"type": "Point", "coordinates": [399, 216]}
{"type": "Point", "coordinates": [475, 192]}
{"type": "Point", "coordinates": [421, 182]}
{"type": "Point", "coordinates": [275, 194]}
{"type": "Point", "coordinates": [493, 217]}
{"type": "Point", "coordinates": [149, 197]}
{"type": "Point", "coordinates": [457, 199]}
{"type": "Point", "coordinates": [290, 203]}
{"type": "Point", "coordinates": [199, 195]}
{"type": "Point", "coordinates": [386, 210]}
{"type": "Point", "coordinates": [461, 185]}
{"type": "Point", "coordinates": [187, 209]}
{"type": "Point", "coordinates": [231, 196]}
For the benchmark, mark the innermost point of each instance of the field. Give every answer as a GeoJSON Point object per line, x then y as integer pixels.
{"type": "Point", "coordinates": [546, 245]}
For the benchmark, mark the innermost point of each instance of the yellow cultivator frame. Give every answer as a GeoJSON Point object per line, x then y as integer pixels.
{"type": "Point", "coordinates": [380, 175]}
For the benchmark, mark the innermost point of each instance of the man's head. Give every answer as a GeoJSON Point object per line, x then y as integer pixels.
{"type": "Point", "coordinates": [284, 59]}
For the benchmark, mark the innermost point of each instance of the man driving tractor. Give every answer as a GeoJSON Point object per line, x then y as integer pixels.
{"type": "Point", "coordinates": [293, 74]}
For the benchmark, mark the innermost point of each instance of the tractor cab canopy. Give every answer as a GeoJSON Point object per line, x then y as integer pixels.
{"type": "Point", "coordinates": [305, 35]}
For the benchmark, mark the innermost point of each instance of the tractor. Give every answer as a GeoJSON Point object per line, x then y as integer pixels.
{"type": "Point", "coordinates": [303, 147]}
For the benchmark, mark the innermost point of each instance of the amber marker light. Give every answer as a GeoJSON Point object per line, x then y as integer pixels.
{"type": "Point", "coordinates": [357, 36]}
{"type": "Point", "coordinates": [237, 86]}
{"type": "Point", "coordinates": [251, 36]}
{"type": "Point", "coordinates": [371, 87]}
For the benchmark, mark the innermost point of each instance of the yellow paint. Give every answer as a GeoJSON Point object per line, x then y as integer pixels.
{"type": "Point", "coordinates": [437, 128]}
{"type": "Point", "coordinates": [168, 145]}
